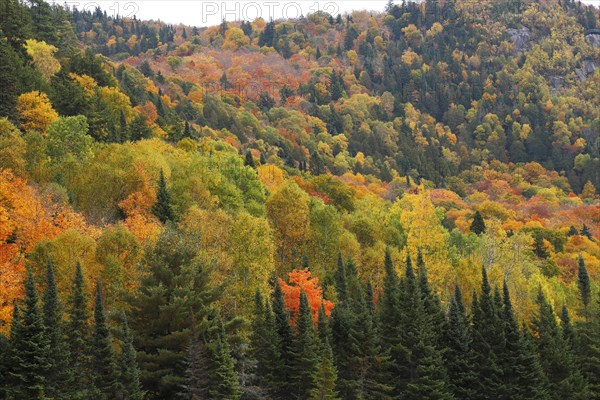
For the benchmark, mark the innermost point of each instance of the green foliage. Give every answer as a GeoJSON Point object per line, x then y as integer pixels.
{"type": "Point", "coordinates": [162, 207]}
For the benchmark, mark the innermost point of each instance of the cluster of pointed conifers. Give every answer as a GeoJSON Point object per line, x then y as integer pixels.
{"type": "Point", "coordinates": [406, 345]}
{"type": "Point", "coordinates": [50, 355]}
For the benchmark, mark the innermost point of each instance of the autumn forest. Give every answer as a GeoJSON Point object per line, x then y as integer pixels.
{"type": "Point", "coordinates": [402, 204]}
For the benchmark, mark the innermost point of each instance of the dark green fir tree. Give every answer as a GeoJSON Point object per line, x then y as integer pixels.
{"type": "Point", "coordinates": [104, 366]}
{"type": "Point", "coordinates": [478, 224]}
{"type": "Point", "coordinates": [162, 208]}
{"type": "Point", "coordinates": [29, 367]}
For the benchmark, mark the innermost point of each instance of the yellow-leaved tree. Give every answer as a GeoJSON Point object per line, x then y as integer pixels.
{"type": "Point", "coordinates": [35, 111]}
{"type": "Point", "coordinates": [423, 229]}
{"type": "Point", "coordinates": [42, 55]}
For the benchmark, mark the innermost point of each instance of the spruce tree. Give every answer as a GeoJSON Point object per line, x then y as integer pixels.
{"type": "Point", "coordinates": [58, 372]}
{"type": "Point", "coordinates": [532, 383]}
{"type": "Point", "coordinates": [224, 384]}
{"type": "Point", "coordinates": [265, 345]}
{"type": "Point", "coordinates": [4, 363]}
{"type": "Point", "coordinates": [162, 207]}
{"type": "Point", "coordinates": [478, 224]}
{"type": "Point", "coordinates": [249, 160]}
{"type": "Point", "coordinates": [431, 302]}
{"type": "Point", "coordinates": [305, 351]}
{"type": "Point", "coordinates": [78, 336]}
{"type": "Point", "coordinates": [285, 336]}
{"type": "Point", "coordinates": [176, 283]}
{"type": "Point", "coordinates": [129, 378]}
{"type": "Point", "coordinates": [422, 373]}
{"type": "Point", "coordinates": [458, 355]}
{"type": "Point", "coordinates": [584, 285]}
{"type": "Point", "coordinates": [325, 376]}
{"type": "Point", "coordinates": [556, 359]}
{"type": "Point", "coordinates": [587, 349]}
{"type": "Point", "coordinates": [29, 348]}
{"type": "Point", "coordinates": [389, 324]}
{"type": "Point", "coordinates": [197, 373]}
{"type": "Point", "coordinates": [487, 336]}
{"type": "Point", "coordinates": [105, 371]}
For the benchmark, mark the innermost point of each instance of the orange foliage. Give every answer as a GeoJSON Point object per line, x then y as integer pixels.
{"type": "Point", "coordinates": [302, 281]}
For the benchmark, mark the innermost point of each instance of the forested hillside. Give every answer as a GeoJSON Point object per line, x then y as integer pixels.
{"type": "Point", "coordinates": [394, 205]}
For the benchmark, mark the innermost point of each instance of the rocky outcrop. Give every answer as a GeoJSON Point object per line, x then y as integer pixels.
{"type": "Point", "coordinates": [587, 68]}
{"type": "Point", "coordinates": [520, 38]}
{"type": "Point", "coordinates": [593, 39]}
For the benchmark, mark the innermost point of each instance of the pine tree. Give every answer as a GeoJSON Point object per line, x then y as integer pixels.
{"type": "Point", "coordinates": [522, 376]}
{"type": "Point", "coordinates": [223, 378]}
{"type": "Point", "coordinates": [323, 330]}
{"type": "Point", "coordinates": [162, 207]}
{"type": "Point", "coordinates": [532, 382]}
{"type": "Point", "coordinates": [197, 372]}
{"type": "Point", "coordinates": [389, 325]}
{"type": "Point", "coordinates": [176, 283]}
{"type": "Point", "coordinates": [284, 333]}
{"type": "Point", "coordinates": [4, 364]}
{"type": "Point", "coordinates": [422, 373]}
{"type": "Point", "coordinates": [104, 361]}
{"type": "Point", "coordinates": [129, 378]}
{"type": "Point", "coordinates": [478, 224]}
{"type": "Point", "coordinates": [587, 350]}
{"type": "Point", "coordinates": [487, 336]}
{"type": "Point", "coordinates": [555, 356]}
{"type": "Point", "coordinates": [584, 285]}
{"type": "Point", "coordinates": [431, 302]}
{"type": "Point", "coordinates": [265, 345]}
{"type": "Point", "coordinates": [325, 376]}
{"type": "Point", "coordinates": [249, 160]}
{"type": "Point", "coordinates": [305, 353]}
{"type": "Point", "coordinates": [566, 327]}
{"type": "Point", "coordinates": [78, 336]}
{"type": "Point", "coordinates": [29, 348]}
{"type": "Point", "coordinates": [58, 372]}
{"type": "Point", "coordinates": [458, 355]}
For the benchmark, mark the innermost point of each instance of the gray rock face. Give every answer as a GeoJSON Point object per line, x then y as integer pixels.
{"type": "Point", "coordinates": [520, 38]}
{"type": "Point", "coordinates": [587, 68]}
{"type": "Point", "coordinates": [593, 39]}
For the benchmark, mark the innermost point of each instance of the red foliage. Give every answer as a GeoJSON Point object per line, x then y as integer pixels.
{"type": "Point", "coordinates": [302, 281]}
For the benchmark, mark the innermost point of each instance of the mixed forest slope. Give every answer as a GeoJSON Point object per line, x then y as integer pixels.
{"type": "Point", "coordinates": [187, 169]}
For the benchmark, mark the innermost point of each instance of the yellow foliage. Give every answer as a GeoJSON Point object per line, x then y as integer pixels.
{"type": "Point", "coordinates": [42, 55]}
{"type": "Point", "coordinates": [35, 111]}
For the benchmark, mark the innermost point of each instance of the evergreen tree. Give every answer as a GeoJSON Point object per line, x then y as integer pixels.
{"type": "Point", "coordinates": [458, 355]}
{"type": "Point", "coordinates": [522, 376]}
{"type": "Point", "coordinates": [584, 285]}
{"type": "Point", "coordinates": [305, 353]}
{"type": "Point", "coordinates": [58, 371]}
{"type": "Point", "coordinates": [285, 336]}
{"type": "Point", "coordinates": [421, 374]}
{"type": "Point", "coordinates": [566, 327]}
{"type": "Point", "coordinates": [4, 364]}
{"type": "Point", "coordinates": [532, 382]}
{"type": "Point", "coordinates": [162, 207]}
{"type": "Point", "coordinates": [325, 376]}
{"type": "Point", "coordinates": [555, 355]}
{"type": "Point", "coordinates": [197, 372]}
{"type": "Point", "coordinates": [478, 224]}
{"type": "Point", "coordinates": [587, 349]}
{"type": "Point", "coordinates": [487, 336]}
{"type": "Point", "coordinates": [104, 361]}
{"type": "Point", "coordinates": [29, 348]}
{"type": "Point", "coordinates": [249, 160]}
{"type": "Point", "coordinates": [176, 283]}
{"type": "Point", "coordinates": [431, 302]}
{"type": "Point", "coordinates": [389, 325]}
{"type": "Point", "coordinates": [265, 345]}
{"type": "Point", "coordinates": [129, 378]}
{"type": "Point", "coordinates": [223, 378]}
{"type": "Point", "coordinates": [78, 336]}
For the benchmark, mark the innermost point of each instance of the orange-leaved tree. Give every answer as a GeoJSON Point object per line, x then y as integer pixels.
{"type": "Point", "coordinates": [302, 281]}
